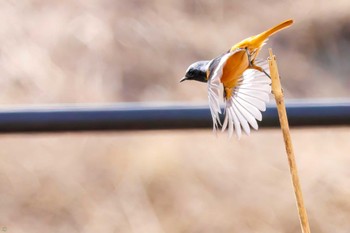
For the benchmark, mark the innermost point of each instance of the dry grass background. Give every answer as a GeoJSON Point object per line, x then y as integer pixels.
{"type": "Point", "coordinates": [180, 181]}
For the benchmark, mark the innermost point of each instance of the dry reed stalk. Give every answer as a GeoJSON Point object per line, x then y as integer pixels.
{"type": "Point", "coordinates": [278, 93]}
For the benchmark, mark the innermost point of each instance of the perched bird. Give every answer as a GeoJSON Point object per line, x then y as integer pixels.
{"type": "Point", "coordinates": [245, 80]}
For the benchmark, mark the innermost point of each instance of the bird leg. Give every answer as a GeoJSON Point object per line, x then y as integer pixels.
{"type": "Point", "coordinates": [252, 65]}
{"type": "Point", "coordinates": [255, 67]}
{"type": "Point", "coordinates": [249, 56]}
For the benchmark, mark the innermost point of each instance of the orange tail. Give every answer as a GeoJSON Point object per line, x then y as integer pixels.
{"type": "Point", "coordinates": [263, 36]}
{"type": "Point", "coordinates": [255, 42]}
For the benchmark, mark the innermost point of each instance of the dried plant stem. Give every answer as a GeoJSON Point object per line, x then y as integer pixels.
{"type": "Point", "coordinates": [277, 90]}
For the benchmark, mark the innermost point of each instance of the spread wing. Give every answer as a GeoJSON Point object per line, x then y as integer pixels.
{"type": "Point", "coordinates": [248, 100]}
{"type": "Point", "coordinates": [216, 66]}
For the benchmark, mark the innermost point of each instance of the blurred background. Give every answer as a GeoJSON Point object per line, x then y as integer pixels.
{"type": "Point", "coordinates": [104, 51]}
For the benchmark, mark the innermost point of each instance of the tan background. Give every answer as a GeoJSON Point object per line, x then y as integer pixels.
{"type": "Point", "coordinates": [93, 51]}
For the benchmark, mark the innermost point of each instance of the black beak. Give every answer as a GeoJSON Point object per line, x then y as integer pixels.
{"type": "Point", "coordinates": [183, 79]}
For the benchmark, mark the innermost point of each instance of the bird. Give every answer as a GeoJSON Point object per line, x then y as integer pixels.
{"type": "Point", "coordinates": [245, 81]}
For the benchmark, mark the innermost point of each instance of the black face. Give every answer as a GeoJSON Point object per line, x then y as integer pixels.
{"type": "Point", "coordinates": [195, 74]}
{"type": "Point", "coordinates": [197, 71]}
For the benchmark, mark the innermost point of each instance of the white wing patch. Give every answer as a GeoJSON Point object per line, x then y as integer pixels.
{"type": "Point", "coordinates": [214, 90]}
{"type": "Point", "coordinates": [248, 99]}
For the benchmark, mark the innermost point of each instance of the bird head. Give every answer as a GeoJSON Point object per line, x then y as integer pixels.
{"type": "Point", "coordinates": [197, 71]}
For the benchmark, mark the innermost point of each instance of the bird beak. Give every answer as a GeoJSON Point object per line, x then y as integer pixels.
{"type": "Point", "coordinates": [183, 79]}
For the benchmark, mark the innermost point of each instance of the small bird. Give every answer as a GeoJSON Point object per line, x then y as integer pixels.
{"type": "Point", "coordinates": [245, 80]}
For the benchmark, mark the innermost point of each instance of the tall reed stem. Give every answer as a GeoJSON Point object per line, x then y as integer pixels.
{"type": "Point", "coordinates": [279, 97]}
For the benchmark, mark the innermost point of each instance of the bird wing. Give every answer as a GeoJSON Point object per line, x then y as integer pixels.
{"type": "Point", "coordinates": [248, 100]}
{"type": "Point", "coordinates": [214, 87]}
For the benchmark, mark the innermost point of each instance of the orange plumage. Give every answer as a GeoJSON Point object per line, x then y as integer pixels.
{"type": "Point", "coordinates": [240, 62]}
{"type": "Point", "coordinates": [246, 82]}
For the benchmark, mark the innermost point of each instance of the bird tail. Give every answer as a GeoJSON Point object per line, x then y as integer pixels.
{"type": "Point", "coordinates": [255, 42]}
{"type": "Point", "coordinates": [260, 38]}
